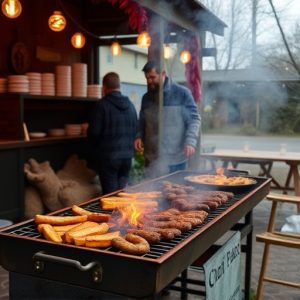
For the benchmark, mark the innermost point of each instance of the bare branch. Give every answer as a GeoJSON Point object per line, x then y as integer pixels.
{"type": "Point", "coordinates": [284, 38]}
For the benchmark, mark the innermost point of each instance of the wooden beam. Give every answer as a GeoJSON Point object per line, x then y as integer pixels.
{"type": "Point", "coordinates": [169, 13]}
{"type": "Point", "coordinates": [107, 42]}
{"type": "Point", "coordinates": [188, 14]}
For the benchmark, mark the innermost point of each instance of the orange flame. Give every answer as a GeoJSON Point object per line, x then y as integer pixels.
{"type": "Point", "coordinates": [129, 214]}
{"type": "Point", "coordinates": [135, 213]}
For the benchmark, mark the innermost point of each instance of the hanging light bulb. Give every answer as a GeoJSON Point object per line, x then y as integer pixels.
{"type": "Point", "coordinates": [11, 8]}
{"type": "Point", "coordinates": [78, 40]}
{"type": "Point", "coordinates": [57, 22]}
{"type": "Point", "coordinates": [115, 48]}
{"type": "Point", "coordinates": [143, 40]}
{"type": "Point", "coordinates": [185, 56]}
{"type": "Point", "coordinates": [168, 51]}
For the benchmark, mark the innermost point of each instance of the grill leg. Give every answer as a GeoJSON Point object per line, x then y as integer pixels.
{"type": "Point", "coordinates": [248, 254]}
{"type": "Point", "coordinates": [184, 276]}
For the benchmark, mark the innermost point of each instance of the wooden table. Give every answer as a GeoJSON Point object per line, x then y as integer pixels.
{"type": "Point", "coordinates": [265, 160]}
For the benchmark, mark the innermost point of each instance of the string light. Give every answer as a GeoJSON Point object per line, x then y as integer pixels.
{"type": "Point", "coordinates": [168, 51]}
{"type": "Point", "coordinates": [78, 40]}
{"type": "Point", "coordinates": [57, 22]}
{"type": "Point", "coordinates": [115, 48]}
{"type": "Point", "coordinates": [185, 56]}
{"type": "Point", "coordinates": [143, 40]}
{"type": "Point", "coordinates": [11, 8]}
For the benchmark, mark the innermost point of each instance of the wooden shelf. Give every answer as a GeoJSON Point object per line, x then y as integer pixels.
{"type": "Point", "coordinates": [39, 113]}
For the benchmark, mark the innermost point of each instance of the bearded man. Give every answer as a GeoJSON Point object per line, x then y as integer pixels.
{"type": "Point", "coordinates": [180, 128]}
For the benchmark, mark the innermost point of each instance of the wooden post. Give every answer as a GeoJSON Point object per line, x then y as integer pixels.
{"type": "Point", "coordinates": [156, 53]}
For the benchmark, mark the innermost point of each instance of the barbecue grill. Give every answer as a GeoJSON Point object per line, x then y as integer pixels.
{"type": "Point", "coordinates": [25, 252]}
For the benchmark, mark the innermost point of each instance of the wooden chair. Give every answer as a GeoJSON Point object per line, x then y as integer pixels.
{"type": "Point", "coordinates": [272, 237]}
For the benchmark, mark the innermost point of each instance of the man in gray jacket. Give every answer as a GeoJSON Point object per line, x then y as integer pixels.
{"type": "Point", "coordinates": [181, 124]}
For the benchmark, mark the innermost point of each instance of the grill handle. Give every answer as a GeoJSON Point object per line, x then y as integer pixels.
{"type": "Point", "coordinates": [41, 257]}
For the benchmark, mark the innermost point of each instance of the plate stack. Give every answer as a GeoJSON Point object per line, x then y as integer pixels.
{"type": "Point", "coordinates": [37, 135]}
{"type": "Point", "coordinates": [79, 80]}
{"type": "Point", "coordinates": [73, 129]}
{"type": "Point", "coordinates": [48, 84]}
{"type": "Point", "coordinates": [94, 90]}
{"type": "Point", "coordinates": [35, 83]}
{"type": "Point", "coordinates": [56, 132]}
{"type": "Point", "coordinates": [3, 85]}
{"type": "Point", "coordinates": [18, 84]}
{"type": "Point", "coordinates": [63, 80]}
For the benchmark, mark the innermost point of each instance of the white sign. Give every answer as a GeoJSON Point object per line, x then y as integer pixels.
{"type": "Point", "coordinates": [223, 271]}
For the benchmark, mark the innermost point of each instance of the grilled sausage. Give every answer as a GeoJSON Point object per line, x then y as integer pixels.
{"type": "Point", "coordinates": [185, 205]}
{"type": "Point", "coordinates": [132, 244]}
{"type": "Point", "coordinates": [149, 235]}
{"type": "Point", "coordinates": [181, 225]}
{"type": "Point", "coordinates": [195, 214]}
{"type": "Point", "coordinates": [166, 233]}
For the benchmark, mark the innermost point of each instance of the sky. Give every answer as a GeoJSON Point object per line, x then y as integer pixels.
{"type": "Point", "coordinates": [291, 9]}
{"type": "Point", "coordinates": [268, 34]}
{"type": "Point", "coordinates": [288, 12]}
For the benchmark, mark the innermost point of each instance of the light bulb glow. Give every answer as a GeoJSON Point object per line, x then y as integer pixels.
{"type": "Point", "coordinates": [143, 40]}
{"type": "Point", "coordinates": [168, 52]}
{"type": "Point", "coordinates": [57, 22]}
{"type": "Point", "coordinates": [78, 40]}
{"type": "Point", "coordinates": [11, 8]}
{"type": "Point", "coordinates": [185, 57]}
{"type": "Point", "coordinates": [115, 48]}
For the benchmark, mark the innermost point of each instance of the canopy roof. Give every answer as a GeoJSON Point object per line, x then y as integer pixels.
{"type": "Point", "coordinates": [104, 19]}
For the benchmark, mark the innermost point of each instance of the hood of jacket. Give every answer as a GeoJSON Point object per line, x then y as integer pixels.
{"type": "Point", "coordinates": [118, 100]}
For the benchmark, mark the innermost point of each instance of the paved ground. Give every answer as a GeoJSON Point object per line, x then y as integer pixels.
{"type": "Point", "coordinates": [285, 262]}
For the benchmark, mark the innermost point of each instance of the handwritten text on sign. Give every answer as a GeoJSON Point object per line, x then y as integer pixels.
{"type": "Point", "coordinates": [223, 270]}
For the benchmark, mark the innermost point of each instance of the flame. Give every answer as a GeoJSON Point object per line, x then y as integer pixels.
{"type": "Point", "coordinates": [129, 215]}
{"type": "Point", "coordinates": [135, 213]}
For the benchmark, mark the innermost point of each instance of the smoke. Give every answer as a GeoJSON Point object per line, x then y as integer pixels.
{"type": "Point", "coordinates": [246, 98]}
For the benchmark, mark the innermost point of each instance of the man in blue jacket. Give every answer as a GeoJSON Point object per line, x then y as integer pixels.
{"type": "Point", "coordinates": [180, 128]}
{"type": "Point", "coordinates": [112, 131]}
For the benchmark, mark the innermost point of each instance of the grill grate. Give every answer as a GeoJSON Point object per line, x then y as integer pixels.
{"type": "Point", "coordinates": [156, 250]}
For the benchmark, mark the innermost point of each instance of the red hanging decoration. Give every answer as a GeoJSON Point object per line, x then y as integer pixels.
{"type": "Point", "coordinates": [138, 19]}
{"type": "Point", "coordinates": [192, 69]}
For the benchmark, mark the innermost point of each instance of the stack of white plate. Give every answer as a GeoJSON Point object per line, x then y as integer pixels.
{"type": "Point", "coordinates": [18, 84]}
{"type": "Point", "coordinates": [48, 84]}
{"type": "Point", "coordinates": [37, 135]}
{"type": "Point", "coordinates": [94, 90]}
{"type": "Point", "coordinates": [63, 80]}
{"type": "Point", "coordinates": [35, 83]}
{"type": "Point", "coordinates": [56, 132]}
{"type": "Point", "coordinates": [79, 80]}
{"type": "Point", "coordinates": [3, 85]}
{"type": "Point", "coordinates": [73, 129]}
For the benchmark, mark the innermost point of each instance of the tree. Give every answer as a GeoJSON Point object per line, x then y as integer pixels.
{"type": "Point", "coordinates": [234, 49]}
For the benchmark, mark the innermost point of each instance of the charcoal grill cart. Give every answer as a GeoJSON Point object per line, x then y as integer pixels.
{"type": "Point", "coordinates": [41, 269]}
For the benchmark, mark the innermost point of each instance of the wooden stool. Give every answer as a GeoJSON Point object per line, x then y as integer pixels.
{"type": "Point", "coordinates": [272, 237]}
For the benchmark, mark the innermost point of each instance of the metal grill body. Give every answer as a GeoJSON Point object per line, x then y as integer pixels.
{"type": "Point", "coordinates": [24, 250]}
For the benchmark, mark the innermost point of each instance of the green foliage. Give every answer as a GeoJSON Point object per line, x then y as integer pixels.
{"type": "Point", "coordinates": [252, 294]}
{"type": "Point", "coordinates": [137, 169]}
{"type": "Point", "coordinates": [248, 129]}
{"type": "Point", "coordinates": [286, 119]}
